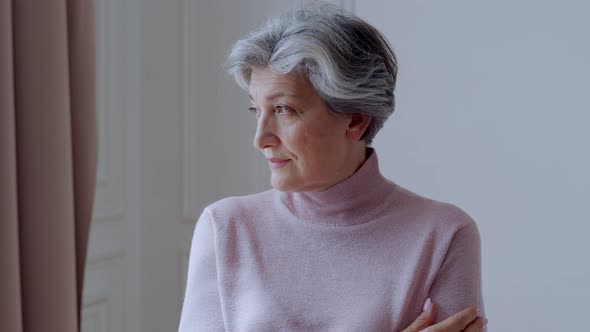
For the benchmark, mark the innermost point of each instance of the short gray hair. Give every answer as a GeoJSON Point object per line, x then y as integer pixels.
{"type": "Point", "coordinates": [349, 62]}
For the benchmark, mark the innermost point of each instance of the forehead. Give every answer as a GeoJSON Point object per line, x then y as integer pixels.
{"type": "Point", "coordinates": [265, 84]}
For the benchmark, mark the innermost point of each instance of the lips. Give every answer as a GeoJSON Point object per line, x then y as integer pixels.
{"type": "Point", "coordinates": [277, 162]}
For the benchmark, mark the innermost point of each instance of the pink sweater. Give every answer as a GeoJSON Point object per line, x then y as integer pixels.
{"type": "Point", "coordinates": [362, 255]}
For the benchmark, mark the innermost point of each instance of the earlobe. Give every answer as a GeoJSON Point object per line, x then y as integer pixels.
{"type": "Point", "coordinates": [357, 126]}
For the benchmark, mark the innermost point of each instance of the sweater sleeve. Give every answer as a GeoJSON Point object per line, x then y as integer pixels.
{"type": "Point", "coordinates": [201, 310]}
{"type": "Point", "coordinates": [457, 285]}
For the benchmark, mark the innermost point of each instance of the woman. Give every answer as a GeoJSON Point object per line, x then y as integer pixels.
{"type": "Point", "coordinates": [334, 245]}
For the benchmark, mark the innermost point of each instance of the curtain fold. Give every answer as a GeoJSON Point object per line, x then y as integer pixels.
{"type": "Point", "coordinates": [48, 153]}
{"type": "Point", "coordinates": [82, 56]}
{"type": "Point", "coordinates": [10, 301]}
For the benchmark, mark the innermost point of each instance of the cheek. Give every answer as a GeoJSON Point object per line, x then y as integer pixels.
{"type": "Point", "coordinates": [323, 137]}
{"type": "Point", "coordinates": [314, 146]}
{"type": "Point", "coordinates": [311, 143]}
{"type": "Point", "coordinates": [295, 138]}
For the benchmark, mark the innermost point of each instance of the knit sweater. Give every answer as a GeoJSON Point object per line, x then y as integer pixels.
{"type": "Point", "coordinates": [362, 255]}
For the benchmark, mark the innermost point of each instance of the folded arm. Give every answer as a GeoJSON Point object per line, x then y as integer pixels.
{"type": "Point", "coordinates": [457, 284]}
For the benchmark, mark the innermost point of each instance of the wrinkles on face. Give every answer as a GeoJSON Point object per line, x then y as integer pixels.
{"type": "Point", "coordinates": [305, 132]}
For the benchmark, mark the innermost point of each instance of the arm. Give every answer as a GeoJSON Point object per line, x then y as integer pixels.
{"type": "Point", "coordinates": [457, 284]}
{"type": "Point", "coordinates": [202, 306]}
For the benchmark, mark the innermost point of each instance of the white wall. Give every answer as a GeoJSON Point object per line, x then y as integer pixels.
{"type": "Point", "coordinates": [492, 114]}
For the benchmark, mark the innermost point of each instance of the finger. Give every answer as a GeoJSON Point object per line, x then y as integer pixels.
{"type": "Point", "coordinates": [459, 320]}
{"type": "Point", "coordinates": [475, 326]}
{"type": "Point", "coordinates": [425, 319]}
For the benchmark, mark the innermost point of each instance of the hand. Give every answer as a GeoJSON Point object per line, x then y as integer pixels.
{"type": "Point", "coordinates": [466, 321]}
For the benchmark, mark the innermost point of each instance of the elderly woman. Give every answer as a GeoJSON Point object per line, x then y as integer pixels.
{"type": "Point", "coordinates": [334, 246]}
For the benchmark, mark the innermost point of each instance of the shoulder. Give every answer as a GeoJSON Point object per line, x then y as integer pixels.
{"type": "Point", "coordinates": [240, 207]}
{"type": "Point", "coordinates": [438, 215]}
{"type": "Point", "coordinates": [443, 225]}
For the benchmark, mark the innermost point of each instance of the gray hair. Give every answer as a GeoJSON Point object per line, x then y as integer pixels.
{"type": "Point", "coordinates": [349, 62]}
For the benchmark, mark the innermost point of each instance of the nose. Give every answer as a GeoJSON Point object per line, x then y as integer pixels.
{"type": "Point", "coordinates": [265, 132]}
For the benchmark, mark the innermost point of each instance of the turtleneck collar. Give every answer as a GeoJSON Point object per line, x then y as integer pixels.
{"type": "Point", "coordinates": [350, 202]}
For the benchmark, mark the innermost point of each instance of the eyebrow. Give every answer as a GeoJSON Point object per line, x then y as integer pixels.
{"type": "Point", "coordinates": [276, 95]}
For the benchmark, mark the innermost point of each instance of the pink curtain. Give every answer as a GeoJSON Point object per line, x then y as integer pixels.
{"type": "Point", "coordinates": [48, 152]}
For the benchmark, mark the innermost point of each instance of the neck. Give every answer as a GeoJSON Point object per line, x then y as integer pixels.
{"type": "Point", "coordinates": [360, 155]}
{"type": "Point", "coordinates": [355, 160]}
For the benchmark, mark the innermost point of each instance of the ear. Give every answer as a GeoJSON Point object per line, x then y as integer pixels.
{"type": "Point", "coordinates": [357, 126]}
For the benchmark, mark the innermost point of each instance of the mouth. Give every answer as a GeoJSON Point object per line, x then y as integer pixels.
{"type": "Point", "coordinates": [277, 162]}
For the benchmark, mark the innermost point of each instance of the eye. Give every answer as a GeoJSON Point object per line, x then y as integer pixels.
{"type": "Point", "coordinates": [283, 109]}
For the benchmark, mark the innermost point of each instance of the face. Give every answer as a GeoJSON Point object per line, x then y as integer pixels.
{"type": "Point", "coordinates": [308, 148]}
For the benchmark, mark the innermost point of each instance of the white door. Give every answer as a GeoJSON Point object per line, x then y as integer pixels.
{"type": "Point", "coordinates": [111, 299]}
